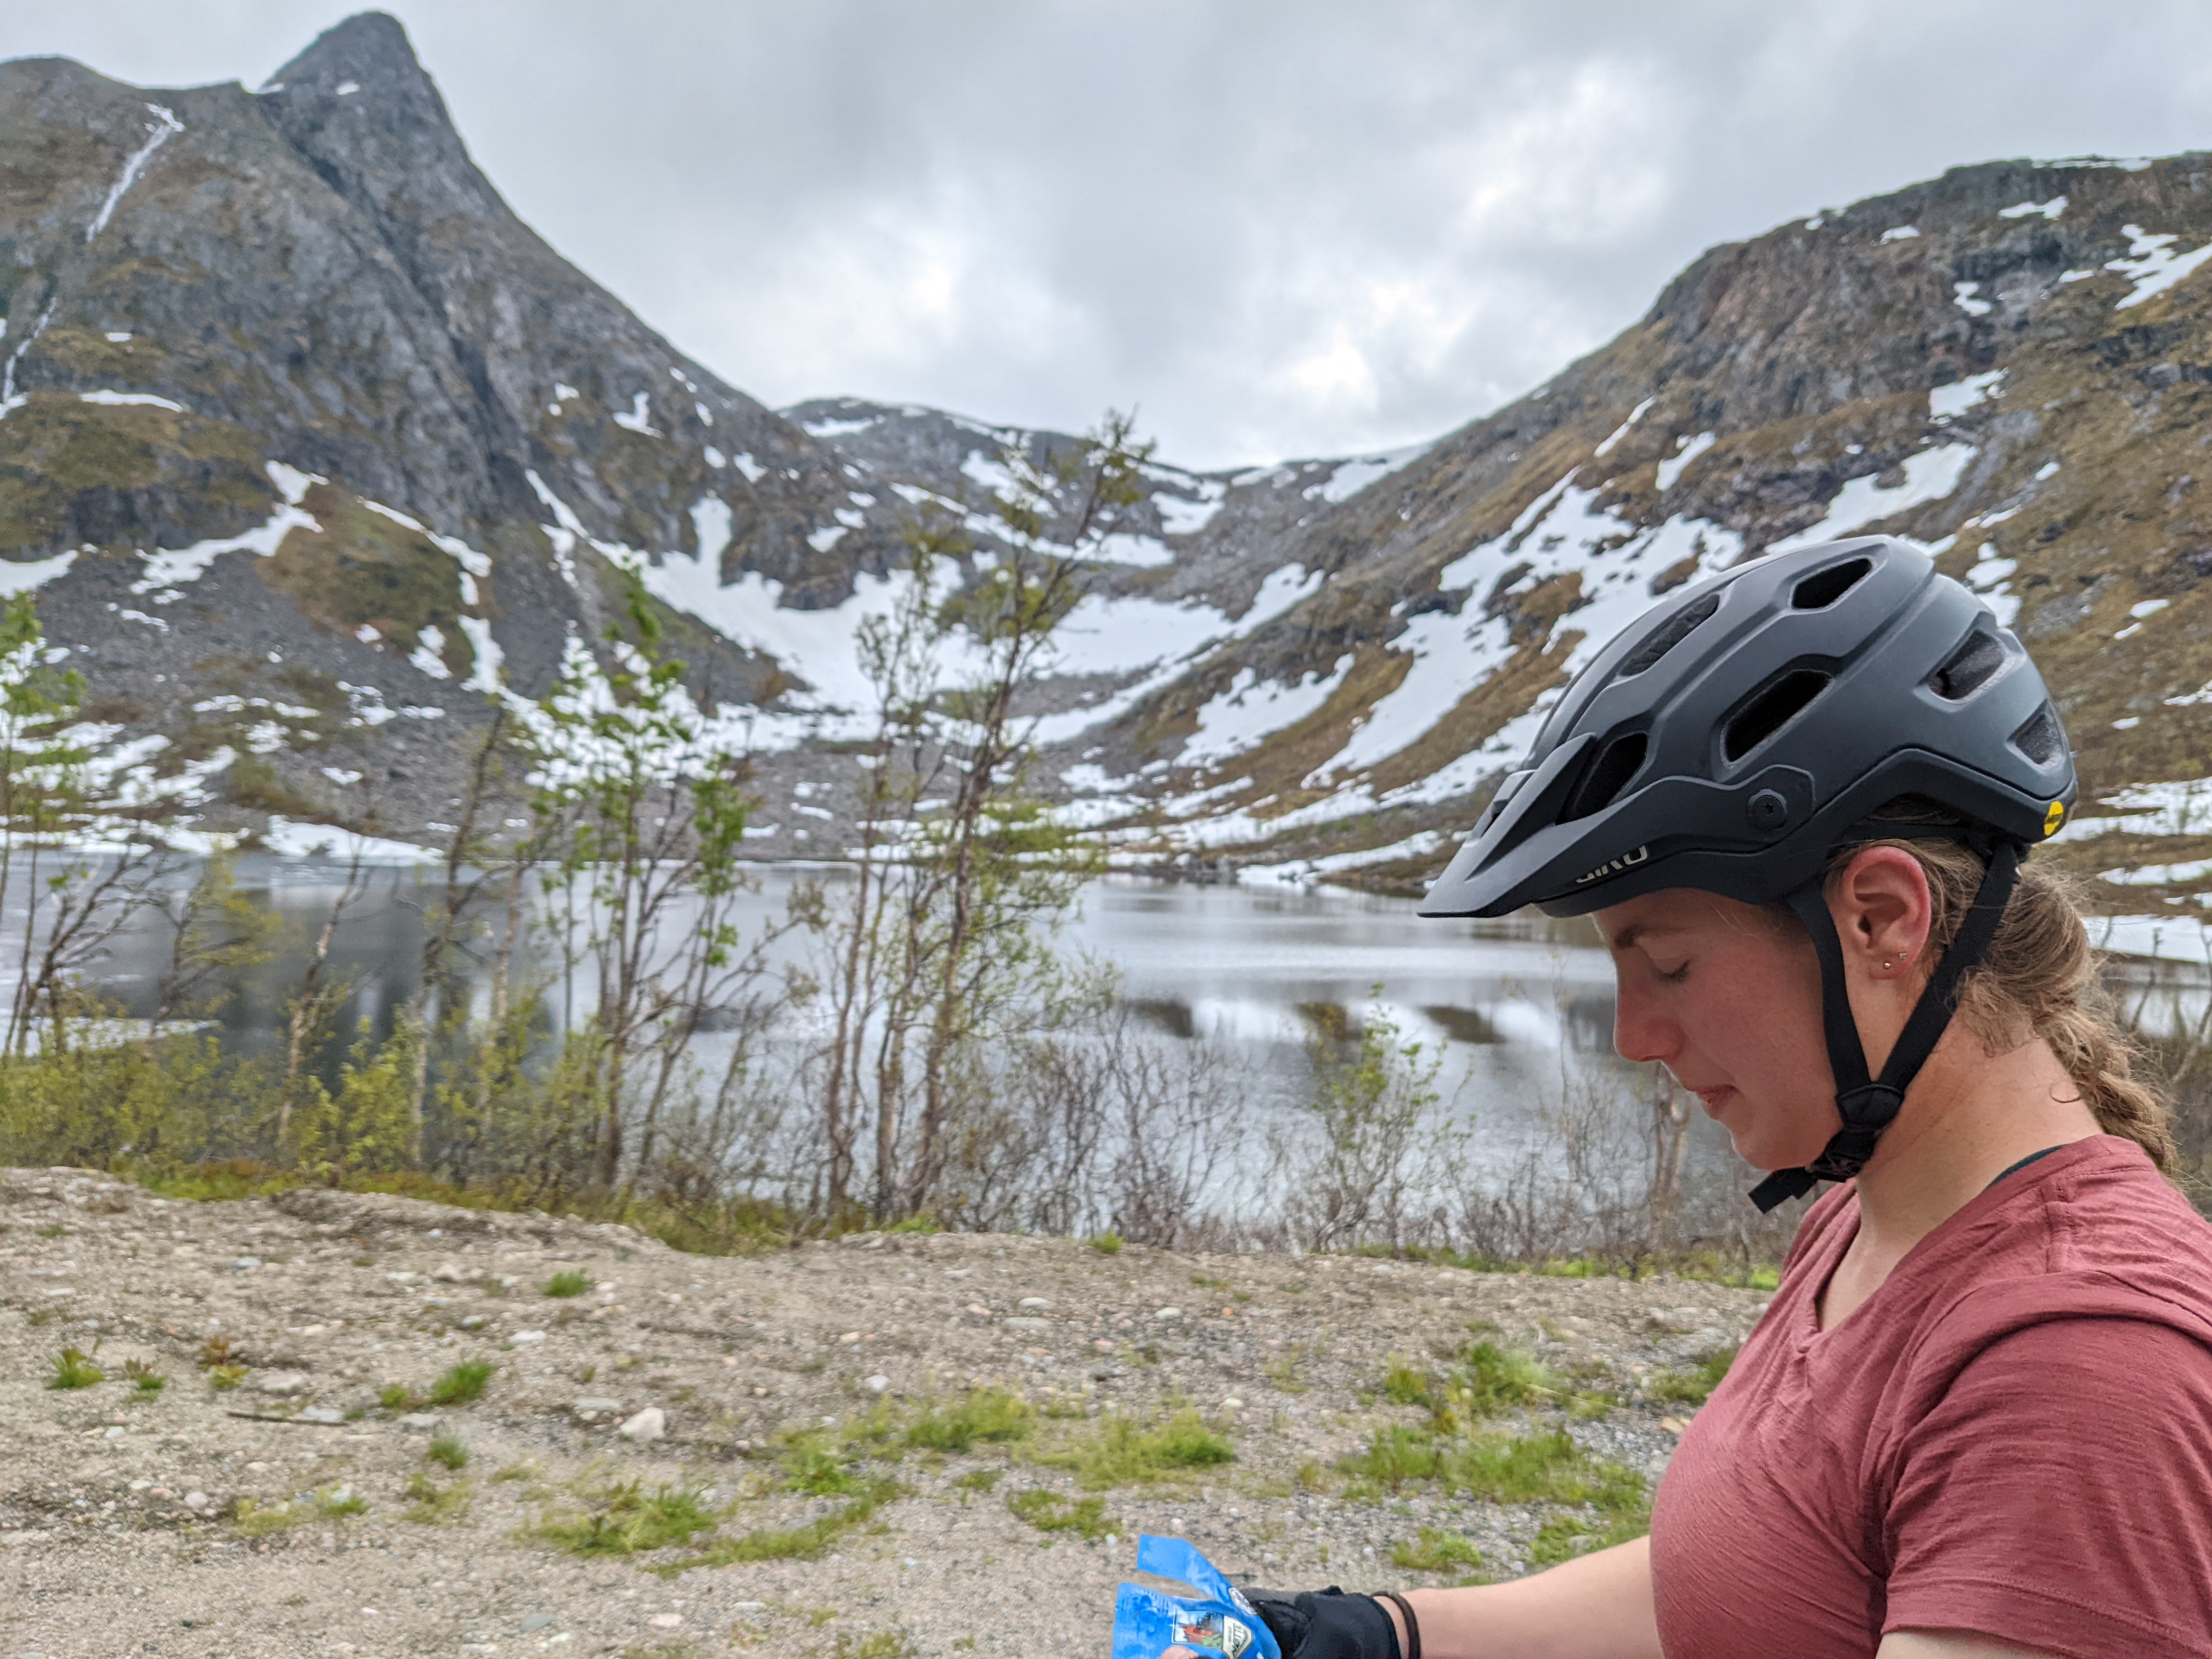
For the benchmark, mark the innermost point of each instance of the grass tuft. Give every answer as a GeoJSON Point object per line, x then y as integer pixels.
{"type": "Point", "coordinates": [993, 1415]}
{"type": "Point", "coordinates": [73, 1369]}
{"type": "Point", "coordinates": [143, 1377]}
{"type": "Point", "coordinates": [1694, 1387]}
{"type": "Point", "coordinates": [1404, 1386]}
{"type": "Point", "coordinates": [803, 1543]}
{"type": "Point", "coordinates": [432, 1505]}
{"type": "Point", "coordinates": [1048, 1511]}
{"type": "Point", "coordinates": [1108, 1243]}
{"type": "Point", "coordinates": [570, 1283]}
{"type": "Point", "coordinates": [448, 1451]}
{"type": "Point", "coordinates": [462, 1383]}
{"type": "Point", "coordinates": [631, 1520]}
{"type": "Point", "coordinates": [1436, 1551]}
{"type": "Point", "coordinates": [1121, 1451]}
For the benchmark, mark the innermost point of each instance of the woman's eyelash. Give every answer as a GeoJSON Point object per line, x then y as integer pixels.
{"type": "Point", "coordinates": [1674, 973]}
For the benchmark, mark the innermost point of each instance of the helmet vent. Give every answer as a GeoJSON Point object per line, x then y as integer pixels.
{"type": "Point", "coordinates": [1782, 702]}
{"type": "Point", "coordinates": [1824, 587]}
{"type": "Point", "coordinates": [2041, 740]}
{"type": "Point", "coordinates": [1668, 634]}
{"type": "Point", "coordinates": [1968, 668]}
{"type": "Point", "coordinates": [1622, 759]}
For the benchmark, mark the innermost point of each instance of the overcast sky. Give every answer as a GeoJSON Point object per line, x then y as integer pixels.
{"type": "Point", "coordinates": [1279, 227]}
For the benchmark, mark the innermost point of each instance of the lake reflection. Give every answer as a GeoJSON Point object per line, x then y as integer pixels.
{"type": "Point", "coordinates": [1511, 1008]}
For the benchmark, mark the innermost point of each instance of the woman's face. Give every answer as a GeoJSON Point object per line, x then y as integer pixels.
{"type": "Point", "coordinates": [1730, 1004]}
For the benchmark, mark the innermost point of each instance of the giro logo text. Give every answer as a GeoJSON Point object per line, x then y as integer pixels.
{"type": "Point", "coordinates": [1613, 866]}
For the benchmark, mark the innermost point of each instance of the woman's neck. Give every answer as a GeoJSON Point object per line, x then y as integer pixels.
{"type": "Point", "coordinates": [1968, 1118]}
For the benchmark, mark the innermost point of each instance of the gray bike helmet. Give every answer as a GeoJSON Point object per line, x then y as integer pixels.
{"type": "Point", "coordinates": [1741, 734]}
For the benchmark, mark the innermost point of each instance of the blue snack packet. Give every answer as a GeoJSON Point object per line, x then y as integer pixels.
{"type": "Point", "coordinates": [1146, 1623]}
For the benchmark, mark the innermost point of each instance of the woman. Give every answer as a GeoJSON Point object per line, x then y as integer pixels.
{"type": "Point", "coordinates": [1976, 1418]}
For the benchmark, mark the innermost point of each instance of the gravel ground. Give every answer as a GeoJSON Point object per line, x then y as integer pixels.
{"type": "Point", "coordinates": [127, 1520]}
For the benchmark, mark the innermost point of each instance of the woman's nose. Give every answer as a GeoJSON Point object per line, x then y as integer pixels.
{"type": "Point", "coordinates": [1640, 1033]}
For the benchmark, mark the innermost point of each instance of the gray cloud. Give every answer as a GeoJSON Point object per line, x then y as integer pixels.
{"type": "Point", "coordinates": [1280, 227]}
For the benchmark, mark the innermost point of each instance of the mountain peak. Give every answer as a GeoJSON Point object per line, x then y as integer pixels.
{"type": "Point", "coordinates": [370, 50]}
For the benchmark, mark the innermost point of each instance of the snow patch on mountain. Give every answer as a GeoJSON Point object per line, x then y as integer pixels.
{"type": "Point", "coordinates": [2155, 267]}
{"type": "Point", "coordinates": [1929, 476]}
{"type": "Point", "coordinates": [1351, 477]}
{"type": "Point", "coordinates": [1252, 710]}
{"type": "Point", "coordinates": [1563, 533]}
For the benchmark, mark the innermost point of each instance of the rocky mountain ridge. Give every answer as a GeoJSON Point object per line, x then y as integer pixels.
{"type": "Point", "coordinates": [306, 435]}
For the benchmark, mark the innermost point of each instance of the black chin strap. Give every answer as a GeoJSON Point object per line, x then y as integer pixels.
{"type": "Point", "coordinates": [1868, 1104]}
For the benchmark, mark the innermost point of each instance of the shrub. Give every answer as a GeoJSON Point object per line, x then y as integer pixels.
{"type": "Point", "coordinates": [570, 1283]}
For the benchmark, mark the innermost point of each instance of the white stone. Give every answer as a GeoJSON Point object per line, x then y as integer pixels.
{"type": "Point", "coordinates": [195, 1500]}
{"type": "Point", "coordinates": [522, 1339]}
{"type": "Point", "coordinates": [285, 1382]}
{"type": "Point", "coordinates": [877, 1383]}
{"type": "Point", "coordinates": [649, 1425]}
{"type": "Point", "coordinates": [1037, 1302]}
{"type": "Point", "coordinates": [420, 1420]}
{"type": "Point", "coordinates": [1169, 1313]}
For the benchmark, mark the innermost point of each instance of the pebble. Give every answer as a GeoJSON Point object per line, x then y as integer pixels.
{"type": "Point", "coordinates": [245, 1262]}
{"type": "Point", "coordinates": [1037, 1302]}
{"type": "Point", "coordinates": [419, 1420]}
{"type": "Point", "coordinates": [522, 1339]}
{"type": "Point", "coordinates": [649, 1425]}
{"type": "Point", "coordinates": [1169, 1313]}
{"type": "Point", "coordinates": [282, 1383]}
{"type": "Point", "coordinates": [322, 1414]}
{"type": "Point", "coordinates": [597, 1408]}
{"type": "Point", "coordinates": [877, 1383]}
{"type": "Point", "coordinates": [536, 1621]}
{"type": "Point", "coordinates": [665, 1620]}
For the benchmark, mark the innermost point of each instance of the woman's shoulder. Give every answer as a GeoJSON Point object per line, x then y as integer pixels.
{"type": "Point", "coordinates": [2093, 1232]}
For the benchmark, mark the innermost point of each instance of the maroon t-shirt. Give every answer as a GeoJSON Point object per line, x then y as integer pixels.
{"type": "Point", "coordinates": [2012, 1436]}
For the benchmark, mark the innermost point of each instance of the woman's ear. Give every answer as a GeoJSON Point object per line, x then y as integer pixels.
{"type": "Point", "coordinates": [1883, 912]}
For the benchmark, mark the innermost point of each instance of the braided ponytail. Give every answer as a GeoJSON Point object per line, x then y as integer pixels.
{"type": "Point", "coordinates": [2039, 979]}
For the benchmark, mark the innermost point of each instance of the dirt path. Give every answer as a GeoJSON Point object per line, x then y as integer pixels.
{"type": "Point", "coordinates": [150, 1522]}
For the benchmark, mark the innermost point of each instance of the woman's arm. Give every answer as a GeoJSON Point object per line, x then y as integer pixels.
{"type": "Point", "coordinates": [1597, 1606]}
{"type": "Point", "coordinates": [1948, 1644]}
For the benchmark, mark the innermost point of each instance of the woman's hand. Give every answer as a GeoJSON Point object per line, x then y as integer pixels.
{"type": "Point", "coordinates": [1323, 1625]}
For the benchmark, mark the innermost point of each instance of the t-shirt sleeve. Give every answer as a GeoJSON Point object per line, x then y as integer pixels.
{"type": "Point", "coordinates": [2058, 1496]}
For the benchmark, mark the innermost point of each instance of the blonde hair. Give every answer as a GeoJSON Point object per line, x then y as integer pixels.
{"type": "Point", "coordinates": [2039, 979]}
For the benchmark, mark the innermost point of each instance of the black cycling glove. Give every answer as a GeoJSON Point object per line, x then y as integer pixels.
{"type": "Point", "coordinates": [1327, 1624]}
